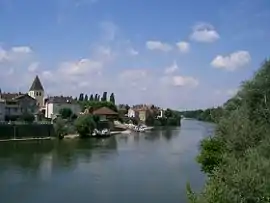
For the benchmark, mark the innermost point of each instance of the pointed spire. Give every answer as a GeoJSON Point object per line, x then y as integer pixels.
{"type": "Point", "coordinates": [36, 85]}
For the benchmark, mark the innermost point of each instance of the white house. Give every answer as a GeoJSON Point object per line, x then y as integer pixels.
{"type": "Point", "coordinates": [131, 113]}
{"type": "Point", "coordinates": [54, 104]}
{"type": "Point", "coordinates": [161, 114]}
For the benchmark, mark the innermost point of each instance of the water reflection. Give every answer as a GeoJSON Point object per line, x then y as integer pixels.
{"type": "Point", "coordinates": [140, 167]}
{"type": "Point", "coordinates": [30, 156]}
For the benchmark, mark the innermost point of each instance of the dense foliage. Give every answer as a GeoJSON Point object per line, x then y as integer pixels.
{"type": "Point", "coordinates": [59, 127]}
{"type": "Point", "coordinates": [65, 113]}
{"type": "Point", "coordinates": [171, 118]}
{"type": "Point", "coordinates": [85, 125]}
{"type": "Point", "coordinates": [94, 102]}
{"type": "Point", "coordinates": [208, 115]}
{"type": "Point", "coordinates": [27, 117]}
{"type": "Point", "coordinates": [237, 157]}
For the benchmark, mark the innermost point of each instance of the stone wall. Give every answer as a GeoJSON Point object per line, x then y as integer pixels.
{"type": "Point", "coordinates": [11, 131]}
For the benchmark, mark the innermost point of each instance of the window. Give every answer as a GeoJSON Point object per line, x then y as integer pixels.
{"type": "Point", "coordinates": [36, 93]}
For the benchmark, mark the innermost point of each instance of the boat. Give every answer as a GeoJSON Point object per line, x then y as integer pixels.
{"type": "Point", "coordinates": [142, 128]}
{"type": "Point", "coordinates": [103, 133]}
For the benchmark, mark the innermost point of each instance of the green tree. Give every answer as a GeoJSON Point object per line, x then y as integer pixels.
{"type": "Point", "coordinates": [96, 97]}
{"type": "Point", "coordinates": [27, 117]}
{"type": "Point", "coordinates": [81, 98]}
{"type": "Point", "coordinates": [85, 125]}
{"type": "Point", "coordinates": [237, 157]}
{"type": "Point", "coordinates": [91, 97]}
{"type": "Point", "coordinates": [65, 113]}
{"type": "Point", "coordinates": [168, 113]}
{"type": "Point", "coordinates": [112, 99]}
{"type": "Point", "coordinates": [85, 97]}
{"type": "Point", "coordinates": [59, 127]}
{"type": "Point", "coordinates": [104, 96]}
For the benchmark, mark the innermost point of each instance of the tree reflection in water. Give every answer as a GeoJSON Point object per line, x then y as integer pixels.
{"type": "Point", "coordinates": [61, 155]}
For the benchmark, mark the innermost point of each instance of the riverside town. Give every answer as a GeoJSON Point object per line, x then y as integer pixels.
{"type": "Point", "coordinates": [24, 115]}
{"type": "Point", "coordinates": [134, 101]}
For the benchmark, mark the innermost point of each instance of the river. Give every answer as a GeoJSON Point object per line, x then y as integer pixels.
{"type": "Point", "coordinates": [152, 167]}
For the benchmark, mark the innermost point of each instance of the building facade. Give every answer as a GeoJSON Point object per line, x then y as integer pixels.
{"type": "Point", "coordinates": [53, 106]}
{"type": "Point", "coordinates": [16, 104]}
{"type": "Point", "coordinates": [131, 113]}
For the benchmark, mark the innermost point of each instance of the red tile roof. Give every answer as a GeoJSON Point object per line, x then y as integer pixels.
{"type": "Point", "coordinates": [104, 111]}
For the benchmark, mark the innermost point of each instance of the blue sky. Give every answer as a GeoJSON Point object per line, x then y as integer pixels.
{"type": "Point", "coordinates": [177, 53]}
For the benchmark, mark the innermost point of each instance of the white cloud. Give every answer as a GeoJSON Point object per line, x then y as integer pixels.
{"type": "Point", "coordinates": [132, 81]}
{"type": "Point", "coordinates": [183, 47]}
{"type": "Point", "coordinates": [109, 30]}
{"type": "Point", "coordinates": [80, 67]}
{"type": "Point", "coordinates": [33, 67]}
{"type": "Point", "coordinates": [204, 32]}
{"type": "Point", "coordinates": [157, 45]}
{"type": "Point", "coordinates": [14, 53]}
{"type": "Point", "coordinates": [185, 81]}
{"type": "Point", "coordinates": [133, 52]}
{"type": "Point", "coordinates": [21, 49]}
{"type": "Point", "coordinates": [180, 81]}
{"type": "Point", "coordinates": [3, 55]}
{"type": "Point", "coordinates": [232, 62]}
{"type": "Point", "coordinates": [171, 69]}
{"type": "Point", "coordinates": [133, 74]}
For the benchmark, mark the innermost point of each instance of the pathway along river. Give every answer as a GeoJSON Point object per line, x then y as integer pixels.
{"type": "Point", "coordinates": [145, 168]}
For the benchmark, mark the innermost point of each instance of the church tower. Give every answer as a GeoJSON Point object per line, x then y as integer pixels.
{"type": "Point", "coordinates": [37, 92]}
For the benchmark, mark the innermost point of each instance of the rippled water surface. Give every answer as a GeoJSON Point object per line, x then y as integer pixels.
{"type": "Point", "coordinates": [137, 168]}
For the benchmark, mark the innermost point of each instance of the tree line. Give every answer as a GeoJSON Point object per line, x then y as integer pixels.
{"type": "Point", "coordinates": [96, 97]}
{"type": "Point", "coordinates": [236, 158]}
{"type": "Point", "coordinates": [208, 115]}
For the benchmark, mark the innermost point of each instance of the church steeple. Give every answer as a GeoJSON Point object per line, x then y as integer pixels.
{"type": "Point", "coordinates": [37, 91]}
{"type": "Point", "coordinates": [36, 85]}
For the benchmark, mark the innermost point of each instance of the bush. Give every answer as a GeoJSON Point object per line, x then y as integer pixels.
{"type": "Point", "coordinates": [85, 125]}
{"type": "Point", "coordinates": [59, 127]}
{"type": "Point", "coordinates": [27, 117]}
{"type": "Point", "coordinates": [65, 113]}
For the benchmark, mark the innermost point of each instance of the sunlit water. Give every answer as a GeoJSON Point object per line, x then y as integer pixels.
{"type": "Point", "coordinates": [139, 168]}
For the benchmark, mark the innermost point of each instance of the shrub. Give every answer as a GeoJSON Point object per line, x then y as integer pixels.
{"type": "Point", "coordinates": [85, 125]}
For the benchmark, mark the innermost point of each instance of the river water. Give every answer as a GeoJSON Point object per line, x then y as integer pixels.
{"type": "Point", "coordinates": [145, 168]}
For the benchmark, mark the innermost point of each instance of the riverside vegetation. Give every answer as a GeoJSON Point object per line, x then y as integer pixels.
{"type": "Point", "coordinates": [84, 125]}
{"type": "Point", "coordinates": [237, 159]}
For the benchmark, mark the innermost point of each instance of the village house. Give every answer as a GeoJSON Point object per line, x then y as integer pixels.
{"type": "Point", "coordinates": [105, 113]}
{"type": "Point", "coordinates": [53, 105]}
{"type": "Point", "coordinates": [132, 113]}
{"type": "Point", "coordinates": [13, 105]}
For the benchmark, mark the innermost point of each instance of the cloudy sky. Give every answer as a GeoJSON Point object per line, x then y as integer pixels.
{"type": "Point", "coordinates": [174, 53]}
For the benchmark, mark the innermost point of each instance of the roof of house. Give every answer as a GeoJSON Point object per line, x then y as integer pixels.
{"type": "Point", "coordinates": [61, 99]}
{"type": "Point", "coordinates": [11, 96]}
{"type": "Point", "coordinates": [104, 111]}
{"type": "Point", "coordinates": [36, 85]}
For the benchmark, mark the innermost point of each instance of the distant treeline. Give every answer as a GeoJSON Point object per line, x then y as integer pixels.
{"type": "Point", "coordinates": [208, 115]}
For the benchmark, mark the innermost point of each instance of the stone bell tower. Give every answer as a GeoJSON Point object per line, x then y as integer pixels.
{"type": "Point", "coordinates": [37, 91]}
